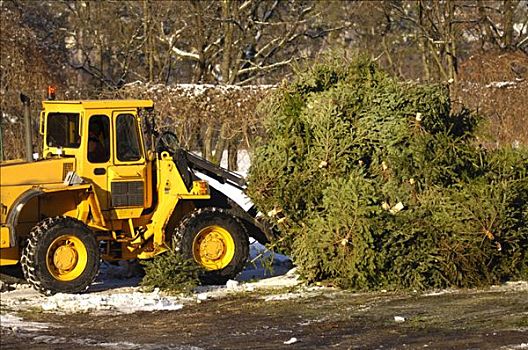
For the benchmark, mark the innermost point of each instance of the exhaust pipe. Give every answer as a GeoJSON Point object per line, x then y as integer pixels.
{"type": "Point", "coordinates": [28, 127]}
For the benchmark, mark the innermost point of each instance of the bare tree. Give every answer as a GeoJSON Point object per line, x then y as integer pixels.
{"type": "Point", "coordinates": [238, 42]}
{"type": "Point", "coordinates": [447, 30]}
{"type": "Point", "coordinates": [228, 42]}
{"type": "Point", "coordinates": [30, 59]}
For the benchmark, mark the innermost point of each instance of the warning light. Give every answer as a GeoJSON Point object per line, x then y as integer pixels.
{"type": "Point", "coordinates": [200, 187]}
{"type": "Point", "coordinates": [51, 92]}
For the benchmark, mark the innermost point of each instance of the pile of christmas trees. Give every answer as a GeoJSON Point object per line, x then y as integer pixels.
{"type": "Point", "coordinates": [377, 183]}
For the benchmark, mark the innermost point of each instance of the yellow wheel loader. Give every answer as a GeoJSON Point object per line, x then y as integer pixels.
{"type": "Point", "coordinates": [110, 186]}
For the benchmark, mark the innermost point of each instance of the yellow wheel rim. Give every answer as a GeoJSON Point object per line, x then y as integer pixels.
{"type": "Point", "coordinates": [213, 248]}
{"type": "Point", "coordinates": [66, 258]}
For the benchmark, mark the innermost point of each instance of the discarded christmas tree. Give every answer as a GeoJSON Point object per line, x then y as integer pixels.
{"type": "Point", "coordinates": [172, 273]}
{"type": "Point", "coordinates": [379, 183]}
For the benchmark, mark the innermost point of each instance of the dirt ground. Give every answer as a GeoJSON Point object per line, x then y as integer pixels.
{"type": "Point", "coordinates": [495, 318]}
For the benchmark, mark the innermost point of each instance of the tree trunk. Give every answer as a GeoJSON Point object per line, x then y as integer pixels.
{"type": "Point", "coordinates": [207, 144]}
{"type": "Point", "coordinates": [228, 28]}
{"type": "Point", "coordinates": [220, 146]}
{"type": "Point", "coordinates": [232, 155]}
{"type": "Point", "coordinates": [451, 41]}
{"type": "Point", "coordinates": [149, 45]}
{"type": "Point", "coordinates": [200, 41]}
{"type": "Point", "coordinates": [509, 8]}
{"type": "Point", "coordinates": [422, 42]}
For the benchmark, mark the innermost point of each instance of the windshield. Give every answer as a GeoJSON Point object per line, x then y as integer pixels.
{"type": "Point", "coordinates": [63, 130]}
{"type": "Point", "coordinates": [128, 146]}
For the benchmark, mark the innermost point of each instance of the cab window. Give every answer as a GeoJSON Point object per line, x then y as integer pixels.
{"type": "Point", "coordinates": [63, 130]}
{"type": "Point", "coordinates": [127, 137]}
{"type": "Point", "coordinates": [99, 139]}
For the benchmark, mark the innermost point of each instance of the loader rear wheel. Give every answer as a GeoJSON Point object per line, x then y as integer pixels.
{"type": "Point", "coordinates": [61, 256]}
{"type": "Point", "coordinates": [217, 242]}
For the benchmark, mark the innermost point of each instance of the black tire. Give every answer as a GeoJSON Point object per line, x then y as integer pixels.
{"type": "Point", "coordinates": [189, 237]}
{"type": "Point", "coordinates": [41, 257]}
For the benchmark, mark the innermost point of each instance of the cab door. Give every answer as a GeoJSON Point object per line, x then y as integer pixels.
{"type": "Point", "coordinates": [99, 154]}
{"type": "Point", "coordinates": [127, 177]}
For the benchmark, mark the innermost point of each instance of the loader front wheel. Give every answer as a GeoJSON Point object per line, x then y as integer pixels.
{"type": "Point", "coordinates": [61, 256]}
{"type": "Point", "coordinates": [217, 242]}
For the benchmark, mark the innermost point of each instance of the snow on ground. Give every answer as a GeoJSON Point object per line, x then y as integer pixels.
{"type": "Point", "coordinates": [15, 323]}
{"type": "Point", "coordinates": [501, 84]}
{"type": "Point", "coordinates": [515, 286]}
{"type": "Point", "coordinates": [123, 301]}
{"type": "Point", "coordinates": [115, 291]}
{"type": "Point", "coordinates": [118, 300]}
{"type": "Point", "coordinates": [512, 286]}
{"type": "Point", "coordinates": [243, 161]}
{"type": "Point", "coordinates": [515, 347]}
{"type": "Point", "coordinates": [439, 292]}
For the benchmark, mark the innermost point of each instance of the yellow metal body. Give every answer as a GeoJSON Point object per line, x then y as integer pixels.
{"type": "Point", "coordinates": [5, 240]}
{"type": "Point", "coordinates": [129, 200]}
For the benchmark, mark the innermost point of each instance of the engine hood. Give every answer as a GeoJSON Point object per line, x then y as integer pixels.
{"type": "Point", "coordinates": [17, 172]}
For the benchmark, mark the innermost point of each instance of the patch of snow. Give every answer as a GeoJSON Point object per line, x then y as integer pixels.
{"type": "Point", "coordinates": [470, 36]}
{"type": "Point", "coordinates": [195, 90]}
{"type": "Point", "coordinates": [114, 345]}
{"type": "Point", "coordinates": [50, 339]}
{"type": "Point", "coordinates": [18, 324]}
{"type": "Point", "coordinates": [501, 84]}
{"type": "Point", "coordinates": [13, 119]}
{"type": "Point", "coordinates": [439, 292]}
{"type": "Point", "coordinates": [520, 28]}
{"type": "Point", "coordinates": [232, 284]}
{"type": "Point", "coordinates": [399, 319]}
{"type": "Point", "coordinates": [292, 340]}
{"type": "Point", "coordinates": [201, 296]}
{"type": "Point", "coordinates": [285, 296]}
{"type": "Point", "coordinates": [119, 300]}
{"type": "Point", "coordinates": [243, 161]}
{"type": "Point", "coordinates": [515, 347]}
{"type": "Point", "coordinates": [514, 286]}
{"type": "Point", "coordinates": [216, 292]}
{"type": "Point", "coordinates": [287, 280]}
{"type": "Point", "coordinates": [517, 286]}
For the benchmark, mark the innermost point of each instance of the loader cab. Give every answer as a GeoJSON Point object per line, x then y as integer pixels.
{"type": "Point", "coordinates": [104, 141]}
